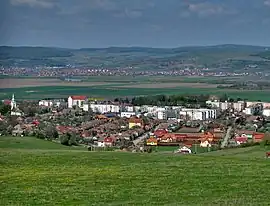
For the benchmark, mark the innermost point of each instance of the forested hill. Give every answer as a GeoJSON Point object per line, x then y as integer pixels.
{"type": "Point", "coordinates": [220, 56]}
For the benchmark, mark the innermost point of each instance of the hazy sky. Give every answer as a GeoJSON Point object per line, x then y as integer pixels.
{"type": "Point", "coordinates": [154, 23]}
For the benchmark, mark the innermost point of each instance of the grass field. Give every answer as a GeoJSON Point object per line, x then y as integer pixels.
{"type": "Point", "coordinates": [111, 87]}
{"type": "Point", "coordinates": [37, 173]}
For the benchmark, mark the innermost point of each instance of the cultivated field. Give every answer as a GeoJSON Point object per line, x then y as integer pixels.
{"type": "Point", "coordinates": [34, 174]}
{"type": "Point", "coordinates": [112, 87]}
{"type": "Point", "coordinates": [31, 82]}
{"type": "Point", "coordinates": [170, 85]}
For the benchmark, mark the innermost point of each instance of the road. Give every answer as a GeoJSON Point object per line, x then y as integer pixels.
{"type": "Point", "coordinates": [224, 143]}
{"type": "Point", "coordinates": [141, 138]}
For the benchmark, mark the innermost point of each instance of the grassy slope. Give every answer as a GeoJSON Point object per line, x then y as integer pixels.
{"type": "Point", "coordinates": [36, 177]}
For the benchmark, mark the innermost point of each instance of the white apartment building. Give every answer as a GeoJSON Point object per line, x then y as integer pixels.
{"type": "Point", "coordinates": [264, 104]}
{"type": "Point", "coordinates": [199, 114]}
{"type": "Point", "coordinates": [266, 112]}
{"type": "Point", "coordinates": [214, 104]}
{"type": "Point", "coordinates": [162, 115]}
{"type": "Point", "coordinates": [105, 108]}
{"type": "Point", "coordinates": [239, 106]}
{"type": "Point", "coordinates": [129, 108]}
{"type": "Point", "coordinates": [127, 114]}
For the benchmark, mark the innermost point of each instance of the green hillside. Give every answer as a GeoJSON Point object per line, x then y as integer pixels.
{"type": "Point", "coordinates": [63, 177]}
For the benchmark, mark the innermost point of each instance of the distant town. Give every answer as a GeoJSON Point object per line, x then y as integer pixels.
{"type": "Point", "coordinates": [79, 120]}
{"type": "Point", "coordinates": [67, 72]}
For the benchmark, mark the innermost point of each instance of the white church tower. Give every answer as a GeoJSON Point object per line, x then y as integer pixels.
{"type": "Point", "coordinates": [13, 103]}
{"type": "Point", "coordinates": [14, 110]}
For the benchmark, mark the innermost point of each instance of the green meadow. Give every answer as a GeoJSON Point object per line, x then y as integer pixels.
{"type": "Point", "coordinates": [35, 172]}
{"type": "Point", "coordinates": [106, 91]}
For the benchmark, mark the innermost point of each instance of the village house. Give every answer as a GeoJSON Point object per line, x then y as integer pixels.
{"type": "Point", "coordinates": [135, 121]}
{"type": "Point", "coordinates": [52, 103]}
{"type": "Point", "coordinates": [152, 142]}
{"type": "Point", "coordinates": [106, 142]}
{"type": "Point", "coordinates": [45, 103]}
{"type": "Point", "coordinates": [76, 101]}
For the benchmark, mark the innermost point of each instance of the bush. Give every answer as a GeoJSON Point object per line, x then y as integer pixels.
{"type": "Point", "coordinates": [68, 139]}
{"type": "Point", "coordinates": [265, 143]}
{"type": "Point", "coordinates": [40, 135]}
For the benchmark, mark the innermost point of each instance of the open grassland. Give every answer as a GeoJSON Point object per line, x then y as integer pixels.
{"type": "Point", "coordinates": [45, 175]}
{"type": "Point", "coordinates": [111, 87]}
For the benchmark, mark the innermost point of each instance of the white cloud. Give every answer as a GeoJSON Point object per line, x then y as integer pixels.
{"type": "Point", "coordinates": [33, 3]}
{"type": "Point", "coordinates": [205, 9]}
{"type": "Point", "coordinates": [208, 9]}
{"type": "Point", "coordinates": [133, 13]}
{"type": "Point", "coordinates": [267, 2]}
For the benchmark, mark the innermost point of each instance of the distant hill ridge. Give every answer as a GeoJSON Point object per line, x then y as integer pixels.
{"type": "Point", "coordinates": [143, 57]}
{"type": "Point", "coordinates": [134, 48]}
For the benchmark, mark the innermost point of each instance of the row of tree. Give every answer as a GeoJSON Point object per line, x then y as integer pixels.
{"type": "Point", "coordinates": [164, 100]}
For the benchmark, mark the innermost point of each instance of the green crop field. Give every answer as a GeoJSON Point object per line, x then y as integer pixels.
{"type": "Point", "coordinates": [34, 172]}
{"type": "Point", "coordinates": [113, 91]}
{"type": "Point", "coordinates": [112, 86]}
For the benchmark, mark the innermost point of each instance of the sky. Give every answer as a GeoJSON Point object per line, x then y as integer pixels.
{"type": "Point", "coordinates": [146, 23]}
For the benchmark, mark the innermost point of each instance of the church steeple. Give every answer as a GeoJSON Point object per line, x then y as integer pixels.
{"type": "Point", "coordinates": [13, 102]}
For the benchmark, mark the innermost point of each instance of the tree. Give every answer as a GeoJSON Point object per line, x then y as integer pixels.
{"type": "Point", "coordinates": [3, 128]}
{"type": "Point", "coordinates": [4, 109]}
{"type": "Point", "coordinates": [266, 139]}
{"type": "Point", "coordinates": [51, 133]}
{"type": "Point", "coordinates": [68, 139]}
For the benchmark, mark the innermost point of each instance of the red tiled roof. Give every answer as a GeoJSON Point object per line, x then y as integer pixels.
{"type": "Point", "coordinates": [160, 132]}
{"type": "Point", "coordinates": [245, 132]}
{"type": "Point", "coordinates": [258, 135]}
{"type": "Point", "coordinates": [63, 129]}
{"type": "Point", "coordinates": [78, 97]}
{"type": "Point", "coordinates": [7, 102]}
{"type": "Point", "coordinates": [241, 139]}
{"type": "Point", "coordinates": [108, 140]}
{"type": "Point", "coordinates": [135, 120]}
{"type": "Point", "coordinates": [35, 122]}
{"type": "Point", "coordinates": [151, 140]}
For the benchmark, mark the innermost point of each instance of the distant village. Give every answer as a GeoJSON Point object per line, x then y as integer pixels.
{"type": "Point", "coordinates": [101, 125]}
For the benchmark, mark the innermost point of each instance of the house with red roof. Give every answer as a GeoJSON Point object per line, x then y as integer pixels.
{"type": "Point", "coordinates": [241, 140]}
{"type": "Point", "coordinates": [76, 101]}
{"type": "Point", "coordinates": [160, 133]}
{"type": "Point", "coordinates": [135, 121]}
{"type": "Point", "coordinates": [258, 137]}
{"type": "Point", "coordinates": [6, 102]}
{"type": "Point", "coordinates": [106, 142]}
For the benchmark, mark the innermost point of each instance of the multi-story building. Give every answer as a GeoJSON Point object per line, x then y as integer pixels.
{"type": "Point", "coordinates": [76, 101]}
{"type": "Point", "coordinates": [105, 108]}
{"type": "Point", "coordinates": [266, 112]}
{"type": "Point", "coordinates": [199, 114]}
{"type": "Point", "coordinates": [238, 106]}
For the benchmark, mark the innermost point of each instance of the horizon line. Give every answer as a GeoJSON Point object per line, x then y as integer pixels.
{"type": "Point", "coordinates": [149, 47]}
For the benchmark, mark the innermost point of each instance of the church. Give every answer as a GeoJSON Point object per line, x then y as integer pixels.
{"type": "Point", "coordinates": [13, 107]}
